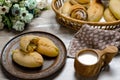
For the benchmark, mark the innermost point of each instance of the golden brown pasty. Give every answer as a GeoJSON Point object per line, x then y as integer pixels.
{"type": "Point", "coordinates": [29, 43]}
{"type": "Point", "coordinates": [30, 60]}
{"type": "Point", "coordinates": [47, 47]}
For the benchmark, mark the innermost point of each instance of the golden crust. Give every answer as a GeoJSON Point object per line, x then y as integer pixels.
{"type": "Point", "coordinates": [83, 1]}
{"type": "Point", "coordinates": [47, 47]}
{"type": "Point", "coordinates": [65, 8]}
{"type": "Point", "coordinates": [25, 42]}
{"type": "Point", "coordinates": [31, 60]}
{"type": "Point", "coordinates": [73, 2]}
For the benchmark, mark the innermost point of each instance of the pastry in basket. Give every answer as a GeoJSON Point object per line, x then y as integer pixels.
{"type": "Point", "coordinates": [114, 6]}
{"type": "Point", "coordinates": [47, 47]}
{"type": "Point", "coordinates": [108, 16]}
{"type": "Point", "coordinates": [86, 5]}
{"type": "Point", "coordinates": [73, 2]}
{"type": "Point", "coordinates": [82, 1]}
{"type": "Point", "coordinates": [78, 12]}
{"type": "Point", "coordinates": [65, 8]}
{"type": "Point", "coordinates": [28, 43]}
{"type": "Point", "coordinates": [95, 11]}
{"type": "Point", "coordinates": [30, 60]}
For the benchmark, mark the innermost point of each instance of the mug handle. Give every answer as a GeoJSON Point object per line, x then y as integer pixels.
{"type": "Point", "coordinates": [107, 54]}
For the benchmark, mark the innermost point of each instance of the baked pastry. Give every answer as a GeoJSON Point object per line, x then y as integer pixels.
{"type": "Point", "coordinates": [108, 16]}
{"type": "Point", "coordinates": [31, 49]}
{"type": "Point", "coordinates": [28, 43]}
{"type": "Point", "coordinates": [30, 60]}
{"type": "Point", "coordinates": [78, 12]}
{"type": "Point", "coordinates": [73, 2]}
{"type": "Point", "coordinates": [95, 11]}
{"type": "Point", "coordinates": [65, 8]}
{"type": "Point", "coordinates": [47, 47]}
{"type": "Point", "coordinates": [82, 1]}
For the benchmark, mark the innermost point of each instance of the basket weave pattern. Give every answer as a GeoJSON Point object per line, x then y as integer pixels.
{"type": "Point", "coordinates": [75, 24]}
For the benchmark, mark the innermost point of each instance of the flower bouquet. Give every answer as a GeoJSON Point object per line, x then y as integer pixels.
{"type": "Point", "coordinates": [15, 14]}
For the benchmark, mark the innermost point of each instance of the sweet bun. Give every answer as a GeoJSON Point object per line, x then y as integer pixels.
{"type": "Point", "coordinates": [78, 12]}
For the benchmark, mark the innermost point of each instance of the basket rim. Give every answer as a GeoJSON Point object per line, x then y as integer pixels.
{"type": "Point", "coordinates": [81, 21]}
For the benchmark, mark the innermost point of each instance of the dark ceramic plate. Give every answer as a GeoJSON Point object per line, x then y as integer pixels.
{"type": "Point", "coordinates": [50, 66]}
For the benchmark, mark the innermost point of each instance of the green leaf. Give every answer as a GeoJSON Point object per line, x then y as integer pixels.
{"type": "Point", "coordinates": [7, 22]}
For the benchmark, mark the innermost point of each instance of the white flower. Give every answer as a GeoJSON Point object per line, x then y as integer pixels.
{"type": "Point", "coordinates": [31, 4]}
{"type": "Point", "coordinates": [42, 4]}
{"type": "Point", "coordinates": [15, 9]}
{"type": "Point", "coordinates": [23, 10]}
{"type": "Point", "coordinates": [25, 15]}
{"type": "Point", "coordinates": [4, 9]}
{"type": "Point", "coordinates": [27, 18]}
{"type": "Point", "coordinates": [1, 25]}
{"type": "Point", "coordinates": [19, 26]}
{"type": "Point", "coordinates": [0, 18]}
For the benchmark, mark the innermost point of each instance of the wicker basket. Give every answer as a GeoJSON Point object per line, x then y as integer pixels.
{"type": "Point", "coordinates": [75, 24]}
